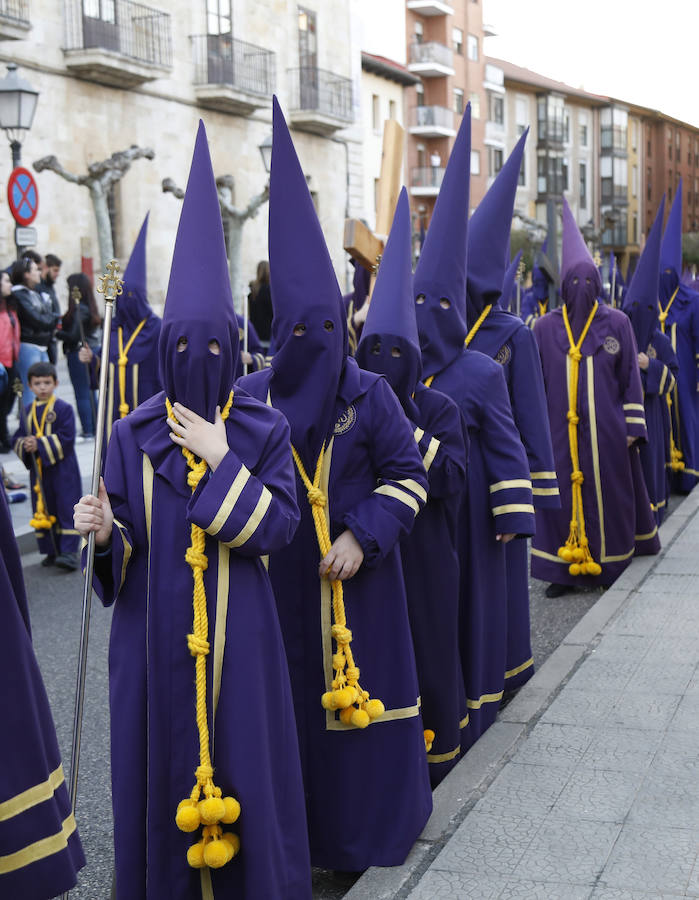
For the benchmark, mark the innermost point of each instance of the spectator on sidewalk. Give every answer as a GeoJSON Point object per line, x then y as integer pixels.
{"type": "Point", "coordinates": [50, 270]}
{"type": "Point", "coordinates": [260, 299]}
{"type": "Point", "coordinates": [9, 353]}
{"type": "Point", "coordinates": [85, 312]}
{"type": "Point", "coordinates": [37, 319]}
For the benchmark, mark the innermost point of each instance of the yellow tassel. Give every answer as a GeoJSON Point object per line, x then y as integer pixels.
{"type": "Point", "coordinates": [41, 520]}
{"type": "Point", "coordinates": [195, 855]}
{"type": "Point", "coordinates": [231, 812]}
{"type": "Point", "coordinates": [122, 361]}
{"type": "Point", "coordinates": [429, 736]}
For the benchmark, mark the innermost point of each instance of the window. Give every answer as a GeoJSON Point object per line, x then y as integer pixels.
{"type": "Point", "coordinates": [419, 33]}
{"type": "Point", "coordinates": [649, 189]}
{"type": "Point", "coordinates": [218, 16]}
{"type": "Point", "coordinates": [634, 229]}
{"type": "Point", "coordinates": [634, 134]}
{"type": "Point", "coordinates": [583, 126]}
{"type": "Point", "coordinates": [419, 95]}
{"type": "Point", "coordinates": [458, 101]}
{"type": "Point", "coordinates": [648, 148]}
{"type": "Point", "coordinates": [376, 113]}
{"type": "Point", "coordinates": [472, 47]}
{"type": "Point", "coordinates": [583, 185]}
{"type": "Point", "coordinates": [421, 155]}
{"type": "Point", "coordinates": [522, 178]}
{"type": "Point", "coordinates": [308, 47]}
{"type": "Point", "coordinates": [497, 109]}
{"type": "Point", "coordinates": [475, 101]}
{"type": "Point", "coordinates": [614, 128]}
{"type": "Point", "coordinates": [495, 160]}
{"type": "Point", "coordinates": [104, 10]}
{"type": "Point", "coordinates": [457, 38]}
{"type": "Point", "coordinates": [634, 181]}
{"type": "Point", "coordinates": [391, 109]}
{"type": "Point", "coordinates": [521, 116]}
{"type": "Point", "coordinates": [564, 173]}
{"type": "Point", "coordinates": [475, 162]}
{"type": "Point", "coordinates": [566, 128]}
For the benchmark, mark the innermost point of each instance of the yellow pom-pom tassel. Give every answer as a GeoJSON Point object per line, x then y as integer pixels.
{"type": "Point", "coordinates": [327, 701]}
{"type": "Point", "coordinates": [594, 568]}
{"type": "Point", "coordinates": [345, 698]}
{"type": "Point", "coordinates": [212, 810]}
{"type": "Point", "coordinates": [195, 855]}
{"type": "Point", "coordinates": [374, 709]}
{"type": "Point", "coordinates": [216, 854]}
{"type": "Point", "coordinates": [560, 552]}
{"type": "Point", "coordinates": [360, 719]}
{"type": "Point", "coordinates": [566, 554]}
{"type": "Point", "coordinates": [232, 811]}
{"type": "Point", "coordinates": [187, 817]}
{"type": "Point", "coordinates": [578, 555]}
{"type": "Point", "coordinates": [233, 841]}
{"type": "Point", "coordinates": [574, 568]}
{"type": "Point", "coordinates": [346, 715]}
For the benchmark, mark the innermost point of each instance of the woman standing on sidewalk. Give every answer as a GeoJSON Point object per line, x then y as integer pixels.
{"type": "Point", "coordinates": [9, 354]}
{"type": "Point", "coordinates": [37, 319]}
{"type": "Point", "coordinates": [85, 312]}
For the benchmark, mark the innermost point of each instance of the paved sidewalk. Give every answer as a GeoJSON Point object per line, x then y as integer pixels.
{"type": "Point", "coordinates": [596, 791]}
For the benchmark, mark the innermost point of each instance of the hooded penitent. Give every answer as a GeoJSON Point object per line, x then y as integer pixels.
{"type": "Point", "coordinates": [489, 236]}
{"type": "Point", "coordinates": [581, 284]}
{"type": "Point", "coordinates": [671, 250]}
{"type": "Point", "coordinates": [540, 280]}
{"type": "Point", "coordinates": [508, 283]}
{"type": "Point", "coordinates": [133, 305]}
{"type": "Point", "coordinates": [439, 284]}
{"type": "Point", "coordinates": [641, 302]}
{"type": "Point", "coordinates": [390, 345]}
{"type": "Point", "coordinates": [191, 373]}
{"type": "Point", "coordinates": [309, 328]}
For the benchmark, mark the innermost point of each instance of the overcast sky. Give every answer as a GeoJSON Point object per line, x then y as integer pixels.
{"type": "Point", "coordinates": [646, 53]}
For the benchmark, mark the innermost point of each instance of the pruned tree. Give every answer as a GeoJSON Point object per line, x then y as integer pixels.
{"type": "Point", "coordinates": [234, 219]}
{"type": "Point", "coordinates": [99, 179]}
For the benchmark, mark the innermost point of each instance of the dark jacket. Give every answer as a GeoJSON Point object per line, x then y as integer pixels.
{"type": "Point", "coordinates": [70, 334]}
{"type": "Point", "coordinates": [37, 319]}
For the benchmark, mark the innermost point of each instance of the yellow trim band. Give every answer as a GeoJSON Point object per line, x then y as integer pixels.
{"type": "Point", "coordinates": [443, 757]}
{"type": "Point", "coordinates": [633, 420]}
{"type": "Point", "coordinates": [253, 522]}
{"type": "Point", "coordinates": [432, 449]}
{"type": "Point", "coordinates": [389, 491]}
{"type": "Point", "coordinates": [39, 849]}
{"type": "Point", "coordinates": [545, 492]}
{"type": "Point", "coordinates": [484, 698]}
{"type": "Point", "coordinates": [229, 501]}
{"type": "Point", "coordinates": [32, 796]}
{"type": "Point", "coordinates": [525, 665]}
{"type": "Point", "coordinates": [418, 435]}
{"type": "Point", "coordinates": [634, 406]}
{"type": "Point", "coordinates": [415, 487]}
{"type": "Point", "coordinates": [535, 475]}
{"type": "Point", "coordinates": [506, 485]}
{"type": "Point", "coordinates": [513, 508]}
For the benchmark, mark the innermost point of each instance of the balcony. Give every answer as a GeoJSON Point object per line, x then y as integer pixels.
{"type": "Point", "coordinates": [495, 133]}
{"type": "Point", "coordinates": [14, 20]}
{"type": "Point", "coordinates": [431, 60]}
{"type": "Point", "coordinates": [425, 181]}
{"type": "Point", "coordinates": [117, 42]}
{"type": "Point", "coordinates": [432, 121]}
{"type": "Point", "coordinates": [320, 101]}
{"type": "Point", "coordinates": [430, 8]}
{"type": "Point", "coordinates": [232, 76]}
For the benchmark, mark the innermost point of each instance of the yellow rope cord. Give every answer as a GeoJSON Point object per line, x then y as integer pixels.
{"type": "Point", "coordinates": [41, 520]}
{"type": "Point", "coordinates": [479, 321]}
{"type": "Point", "coordinates": [542, 307]}
{"type": "Point", "coordinates": [676, 461]}
{"type": "Point", "coordinates": [428, 381]}
{"type": "Point", "coordinates": [123, 359]}
{"type": "Point", "coordinates": [346, 695]}
{"type": "Point", "coordinates": [576, 550]}
{"type": "Point", "coordinates": [215, 848]}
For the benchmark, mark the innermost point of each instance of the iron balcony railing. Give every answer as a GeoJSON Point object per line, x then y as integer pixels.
{"type": "Point", "coordinates": [427, 176]}
{"type": "Point", "coordinates": [316, 90]}
{"type": "Point", "coordinates": [431, 116]}
{"type": "Point", "coordinates": [130, 29]}
{"type": "Point", "coordinates": [222, 59]}
{"type": "Point", "coordinates": [15, 11]}
{"type": "Point", "coordinates": [431, 52]}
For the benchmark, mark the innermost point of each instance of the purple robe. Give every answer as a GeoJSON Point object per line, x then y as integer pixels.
{"type": "Point", "coordinates": [247, 508]}
{"type": "Point", "coordinates": [40, 849]}
{"type": "Point", "coordinates": [658, 381]}
{"type": "Point", "coordinates": [430, 555]}
{"type": "Point", "coordinates": [610, 408]}
{"type": "Point", "coordinates": [375, 481]}
{"type": "Point", "coordinates": [532, 307]}
{"type": "Point", "coordinates": [504, 338]}
{"type": "Point", "coordinates": [498, 501]}
{"type": "Point", "coordinates": [61, 482]}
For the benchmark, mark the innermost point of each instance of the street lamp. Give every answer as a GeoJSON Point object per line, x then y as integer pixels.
{"type": "Point", "coordinates": [266, 153]}
{"type": "Point", "coordinates": [17, 107]}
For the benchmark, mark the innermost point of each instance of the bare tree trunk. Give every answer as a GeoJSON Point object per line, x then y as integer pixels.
{"type": "Point", "coordinates": [104, 226]}
{"type": "Point", "coordinates": [235, 248]}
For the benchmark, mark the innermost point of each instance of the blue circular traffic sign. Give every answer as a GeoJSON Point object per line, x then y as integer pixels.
{"type": "Point", "coordinates": [23, 196]}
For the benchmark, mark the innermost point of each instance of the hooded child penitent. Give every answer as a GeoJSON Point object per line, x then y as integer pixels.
{"type": "Point", "coordinates": [390, 346]}
{"type": "Point", "coordinates": [360, 482]}
{"type": "Point", "coordinates": [191, 595]}
{"type": "Point", "coordinates": [498, 499]}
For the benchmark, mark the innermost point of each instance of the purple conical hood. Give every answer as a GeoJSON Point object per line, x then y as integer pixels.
{"type": "Point", "coordinates": [573, 247]}
{"type": "Point", "coordinates": [199, 302]}
{"type": "Point", "coordinates": [581, 284]}
{"type": "Point", "coordinates": [309, 329]}
{"type": "Point", "coordinates": [641, 301]}
{"type": "Point", "coordinates": [441, 270]}
{"type": "Point", "coordinates": [508, 282]}
{"type": "Point", "coordinates": [390, 345]}
{"type": "Point", "coordinates": [671, 250]}
{"type": "Point", "coordinates": [132, 307]}
{"type": "Point", "coordinates": [489, 235]}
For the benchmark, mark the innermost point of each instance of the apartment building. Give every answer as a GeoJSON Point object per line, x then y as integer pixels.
{"type": "Point", "coordinates": [112, 73]}
{"type": "Point", "coordinates": [671, 152]}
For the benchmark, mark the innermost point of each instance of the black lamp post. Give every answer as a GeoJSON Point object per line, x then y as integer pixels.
{"type": "Point", "coordinates": [266, 153]}
{"type": "Point", "coordinates": [17, 107]}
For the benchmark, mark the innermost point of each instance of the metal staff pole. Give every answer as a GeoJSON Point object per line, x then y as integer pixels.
{"type": "Point", "coordinates": [246, 319]}
{"type": "Point", "coordinates": [612, 293]}
{"type": "Point", "coordinates": [75, 296]}
{"type": "Point", "coordinates": [111, 286]}
{"type": "Point", "coordinates": [18, 388]}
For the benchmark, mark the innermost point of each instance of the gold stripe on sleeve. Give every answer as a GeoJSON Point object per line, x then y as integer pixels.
{"type": "Point", "coordinates": [432, 449]}
{"type": "Point", "coordinates": [253, 522]}
{"type": "Point", "coordinates": [229, 501]}
{"type": "Point", "coordinates": [513, 508]}
{"type": "Point", "coordinates": [389, 491]}
{"type": "Point", "coordinates": [415, 487]}
{"type": "Point", "coordinates": [47, 447]}
{"type": "Point", "coordinates": [506, 485]}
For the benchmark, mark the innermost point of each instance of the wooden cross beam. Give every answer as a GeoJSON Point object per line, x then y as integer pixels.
{"type": "Point", "coordinates": [364, 245]}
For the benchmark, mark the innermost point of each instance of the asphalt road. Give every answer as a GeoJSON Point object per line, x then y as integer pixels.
{"type": "Point", "coordinates": [55, 600]}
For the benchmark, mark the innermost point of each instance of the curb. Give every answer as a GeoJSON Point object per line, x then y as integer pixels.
{"type": "Point", "coordinates": [454, 798]}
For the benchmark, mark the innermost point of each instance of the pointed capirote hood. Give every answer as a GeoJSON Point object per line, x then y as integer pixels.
{"type": "Point", "coordinates": [309, 330]}
{"type": "Point", "coordinates": [489, 235]}
{"type": "Point", "coordinates": [508, 282]}
{"type": "Point", "coordinates": [671, 249]}
{"type": "Point", "coordinates": [199, 303]}
{"type": "Point", "coordinates": [641, 301]}
{"type": "Point", "coordinates": [540, 278]}
{"type": "Point", "coordinates": [132, 306]}
{"type": "Point", "coordinates": [581, 284]}
{"type": "Point", "coordinates": [439, 284]}
{"type": "Point", "coordinates": [390, 345]}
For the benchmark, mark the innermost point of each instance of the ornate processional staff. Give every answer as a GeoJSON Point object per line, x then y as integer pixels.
{"type": "Point", "coordinates": [111, 286]}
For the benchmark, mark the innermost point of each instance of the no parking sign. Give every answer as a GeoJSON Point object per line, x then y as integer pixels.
{"type": "Point", "coordinates": [23, 196]}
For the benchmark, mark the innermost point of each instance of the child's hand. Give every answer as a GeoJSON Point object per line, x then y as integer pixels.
{"type": "Point", "coordinates": [29, 444]}
{"type": "Point", "coordinates": [205, 439]}
{"type": "Point", "coordinates": [94, 514]}
{"type": "Point", "coordinates": [343, 559]}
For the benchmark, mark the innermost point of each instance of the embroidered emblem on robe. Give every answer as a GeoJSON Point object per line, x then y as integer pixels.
{"type": "Point", "coordinates": [503, 355]}
{"type": "Point", "coordinates": [611, 345]}
{"type": "Point", "coordinates": [652, 352]}
{"type": "Point", "coordinates": [346, 421]}
{"type": "Point", "coordinates": [51, 416]}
